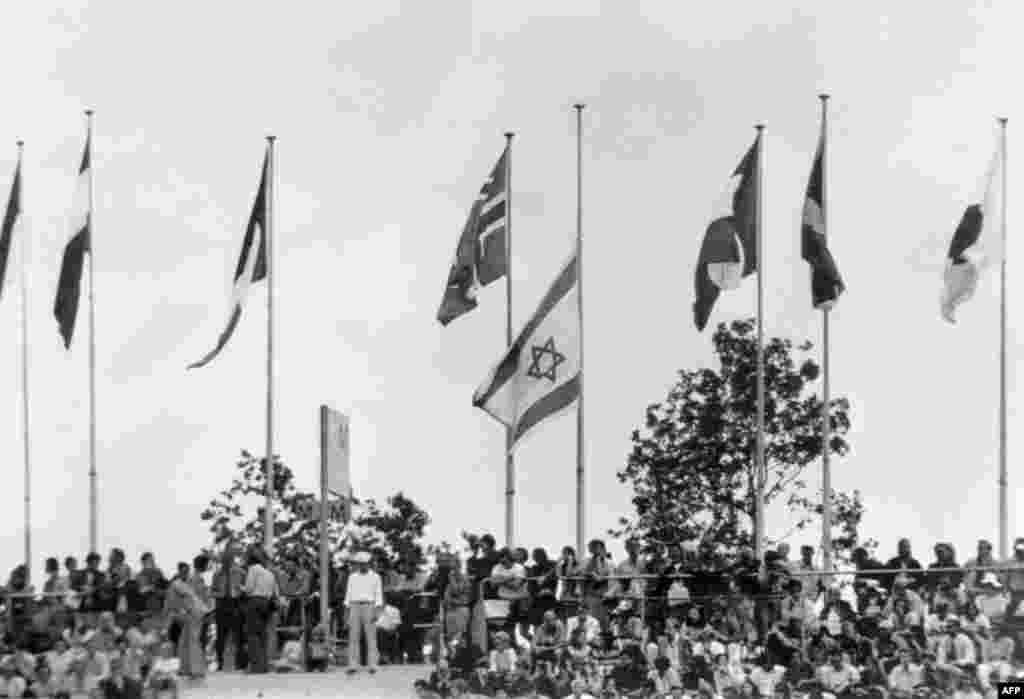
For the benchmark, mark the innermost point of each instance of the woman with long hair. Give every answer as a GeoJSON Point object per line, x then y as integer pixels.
{"type": "Point", "coordinates": [568, 566]}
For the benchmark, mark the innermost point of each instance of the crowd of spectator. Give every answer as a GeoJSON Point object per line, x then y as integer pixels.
{"type": "Point", "coordinates": [683, 621]}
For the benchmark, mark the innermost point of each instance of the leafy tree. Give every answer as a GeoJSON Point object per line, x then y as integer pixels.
{"type": "Point", "coordinates": [693, 463]}
{"type": "Point", "coordinates": [235, 518]}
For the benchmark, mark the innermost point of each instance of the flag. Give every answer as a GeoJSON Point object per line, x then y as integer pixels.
{"type": "Point", "coordinates": [11, 220]}
{"type": "Point", "coordinates": [480, 256]}
{"type": "Point", "coordinates": [252, 264]}
{"type": "Point", "coordinates": [729, 251]}
{"type": "Point", "coordinates": [539, 375]}
{"type": "Point", "coordinates": [334, 446]}
{"type": "Point", "coordinates": [976, 244]}
{"type": "Point", "coordinates": [69, 287]}
{"type": "Point", "coordinates": [826, 284]}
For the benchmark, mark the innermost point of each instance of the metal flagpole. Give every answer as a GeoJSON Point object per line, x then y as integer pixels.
{"type": "Point", "coordinates": [24, 370]}
{"type": "Point", "coordinates": [510, 461]}
{"type": "Point", "coordinates": [1003, 504]}
{"type": "Point", "coordinates": [93, 496]}
{"type": "Point", "coordinates": [760, 528]}
{"type": "Point", "coordinates": [268, 514]}
{"type": "Point", "coordinates": [826, 420]}
{"type": "Point", "coordinates": [581, 507]}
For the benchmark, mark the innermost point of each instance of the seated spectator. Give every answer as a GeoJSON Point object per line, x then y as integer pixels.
{"type": "Point", "coordinates": [961, 651]}
{"type": "Point", "coordinates": [663, 677]}
{"type": "Point", "coordinates": [796, 606]}
{"type": "Point", "coordinates": [12, 684]}
{"type": "Point", "coordinates": [991, 598]}
{"type": "Point", "coordinates": [839, 676]}
{"type": "Point", "coordinates": [588, 625]}
{"type": "Point", "coordinates": [578, 651]}
{"type": "Point", "coordinates": [729, 677]}
{"type": "Point", "coordinates": [766, 677]}
{"type": "Point", "coordinates": [906, 677]}
{"type": "Point", "coordinates": [290, 659]}
{"type": "Point", "coordinates": [549, 636]}
{"type": "Point", "coordinates": [118, 685]}
{"type": "Point", "coordinates": [163, 676]}
{"type": "Point", "coordinates": [107, 633]}
{"type": "Point", "coordinates": [503, 657]}
{"type": "Point", "coordinates": [509, 580]}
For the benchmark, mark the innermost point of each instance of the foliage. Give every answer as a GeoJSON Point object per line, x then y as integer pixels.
{"type": "Point", "coordinates": [693, 463]}
{"type": "Point", "coordinates": [235, 518]}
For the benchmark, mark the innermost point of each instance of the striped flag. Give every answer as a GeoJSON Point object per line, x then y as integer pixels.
{"type": "Point", "coordinates": [480, 256]}
{"type": "Point", "coordinates": [826, 284]}
{"type": "Point", "coordinates": [729, 251]}
{"type": "Point", "coordinates": [976, 244]}
{"type": "Point", "coordinates": [69, 287]}
{"type": "Point", "coordinates": [252, 265]}
{"type": "Point", "coordinates": [12, 217]}
{"type": "Point", "coordinates": [539, 375]}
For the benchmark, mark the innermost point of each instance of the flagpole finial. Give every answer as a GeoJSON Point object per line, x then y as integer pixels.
{"type": "Point", "coordinates": [21, 144]}
{"type": "Point", "coordinates": [824, 96]}
{"type": "Point", "coordinates": [508, 136]}
{"type": "Point", "coordinates": [271, 139]}
{"type": "Point", "coordinates": [579, 106]}
{"type": "Point", "coordinates": [88, 113]}
{"type": "Point", "coordinates": [759, 127]}
{"type": "Point", "coordinates": [1002, 120]}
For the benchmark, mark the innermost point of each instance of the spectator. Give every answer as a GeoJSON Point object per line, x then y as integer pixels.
{"type": "Point", "coordinates": [548, 636]}
{"type": "Point", "coordinates": [261, 593]}
{"type": "Point", "coordinates": [589, 627]}
{"type": "Point", "coordinates": [1014, 578]}
{"type": "Point", "coordinates": [838, 676]}
{"type": "Point", "coordinates": [229, 618]}
{"type": "Point", "coordinates": [903, 560]}
{"type": "Point", "coordinates": [543, 587]}
{"type": "Point", "coordinates": [945, 557]}
{"type": "Point", "coordinates": [164, 673]}
{"type": "Point", "coordinates": [119, 685]}
{"type": "Point", "coordinates": [151, 585]}
{"type": "Point", "coordinates": [811, 580]}
{"type": "Point", "coordinates": [364, 599]}
{"type": "Point", "coordinates": [596, 570]}
{"type": "Point", "coordinates": [983, 559]}
{"type": "Point", "coordinates": [991, 599]}
{"type": "Point", "coordinates": [119, 575]}
{"type": "Point", "coordinates": [568, 567]}
{"type": "Point", "coordinates": [509, 579]}
{"type": "Point", "coordinates": [867, 567]}
{"type": "Point", "coordinates": [503, 657]}
{"type": "Point", "coordinates": [55, 584]}
{"type": "Point", "coordinates": [905, 678]}
{"type": "Point", "coordinates": [458, 595]}
{"type": "Point", "coordinates": [766, 677]}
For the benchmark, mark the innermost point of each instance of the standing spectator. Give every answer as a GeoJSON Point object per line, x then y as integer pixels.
{"type": "Point", "coordinates": [150, 584]}
{"type": "Point", "coordinates": [811, 581]}
{"type": "Point", "coordinates": [55, 584]}
{"type": "Point", "coordinates": [407, 585]}
{"type": "Point", "coordinates": [119, 575]}
{"type": "Point", "coordinates": [75, 578]}
{"type": "Point", "coordinates": [867, 567]}
{"type": "Point", "coordinates": [587, 624]}
{"type": "Point", "coordinates": [1014, 578]}
{"type": "Point", "coordinates": [568, 567]}
{"type": "Point", "coordinates": [945, 557]}
{"type": "Point", "coordinates": [903, 560]}
{"type": "Point", "coordinates": [364, 598]}
{"type": "Point", "coordinates": [261, 593]}
{"type": "Point", "coordinates": [295, 584]}
{"type": "Point", "coordinates": [93, 585]}
{"type": "Point", "coordinates": [983, 559]}
{"type": "Point", "coordinates": [543, 587]}
{"type": "Point", "coordinates": [458, 594]}
{"type": "Point", "coordinates": [509, 579]}
{"type": "Point", "coordinates": [193, 660]}
{"type": "Point", "coordinates": [595, 571]}
{"type": "Point", "coordinates": [229, 616]}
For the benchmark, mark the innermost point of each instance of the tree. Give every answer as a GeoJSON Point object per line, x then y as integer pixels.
{"type": "Point", "coordinates": [692, 464]}
{"type": "Point", "coordinates": [235, 518]}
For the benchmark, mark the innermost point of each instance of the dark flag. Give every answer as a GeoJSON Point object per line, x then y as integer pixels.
{"type": "Point", "coordinates": [251, 268]}
{"type": "Point", "coordinates": [826, 284]}
{"type": "Point", "coordinates": [69, 287]}
{"type": "Point", "coordinates": [729, 251]}
{"type": "Point", "coordinates": [11, 218]}
{"type": "Point", "coordinates": [480, 257]}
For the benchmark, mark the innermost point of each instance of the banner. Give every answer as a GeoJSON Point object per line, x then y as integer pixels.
{"type": "Point", "coordinates": [334, 452]}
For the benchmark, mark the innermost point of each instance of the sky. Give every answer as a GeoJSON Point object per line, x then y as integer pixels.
{"type": "Point", "coordinates": [388, 116]}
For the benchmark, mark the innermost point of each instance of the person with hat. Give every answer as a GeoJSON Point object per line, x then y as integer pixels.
{"type": "Point", "coordinates": [991, 598]}
{"type": "Point", "coordinates": [364, 600]}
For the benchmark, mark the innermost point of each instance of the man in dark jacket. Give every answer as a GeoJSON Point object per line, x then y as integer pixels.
{"type": "Point", "coordinates": [904, 561]}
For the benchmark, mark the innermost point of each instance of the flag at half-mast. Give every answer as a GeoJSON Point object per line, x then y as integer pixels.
{"type": "Point", "coordinates": [12, 220]}
{"type": "Point", "coordinates": [480, 256]}
{"type": "Point", "coordinates": [729, 251]}
{"type": "Point", "coordinates": [976, 245]}
{"type": "Point", "coordinates": [69, 287]}
{"type": "Point", "coordinates": [826, 284]}
{"type": "Point", "coordinates": [251, 267]}
{"type": "Point", "coordinates": [539, 376]}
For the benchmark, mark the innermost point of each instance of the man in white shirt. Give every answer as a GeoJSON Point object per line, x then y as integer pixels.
{"type": "Point", "coordinates": [260, 588]}
{"type": "Point", "coordinates": [767, 676]}
{"type": "Point", "coordinates": [838, 676]}
{"type": "Point", "coordinates": [591, 626]}
{"type": "Point", "coordinates": [905, 677]}
{"type": "Point", "coordinates": [364, 599]}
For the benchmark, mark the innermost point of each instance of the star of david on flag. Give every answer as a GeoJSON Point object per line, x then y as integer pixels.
{"type": "Point", "coordinates": [539, 376]}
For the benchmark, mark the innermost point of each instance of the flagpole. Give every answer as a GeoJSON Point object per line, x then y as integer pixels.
{"type": "Point", "coordinates": [510, 461]}
{"type": "Point", "coordinates": [581, 512]}
{"type": "Point", "coordinates": [93, 497]}
{"type": "Point", "coordinates": [24, 373]}
{"type": "Point", "coordinates": [826, 420]}
{"type": "Point", "coordinates": [759, 529]}
{"type": "Point", "coordinates": [1003, 503]}
{"type": "Point", "coordinates": [268, 513]}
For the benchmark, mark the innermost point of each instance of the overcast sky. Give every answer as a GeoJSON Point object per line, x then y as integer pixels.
{"type": "Point", "coordinates": [388, 115]}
